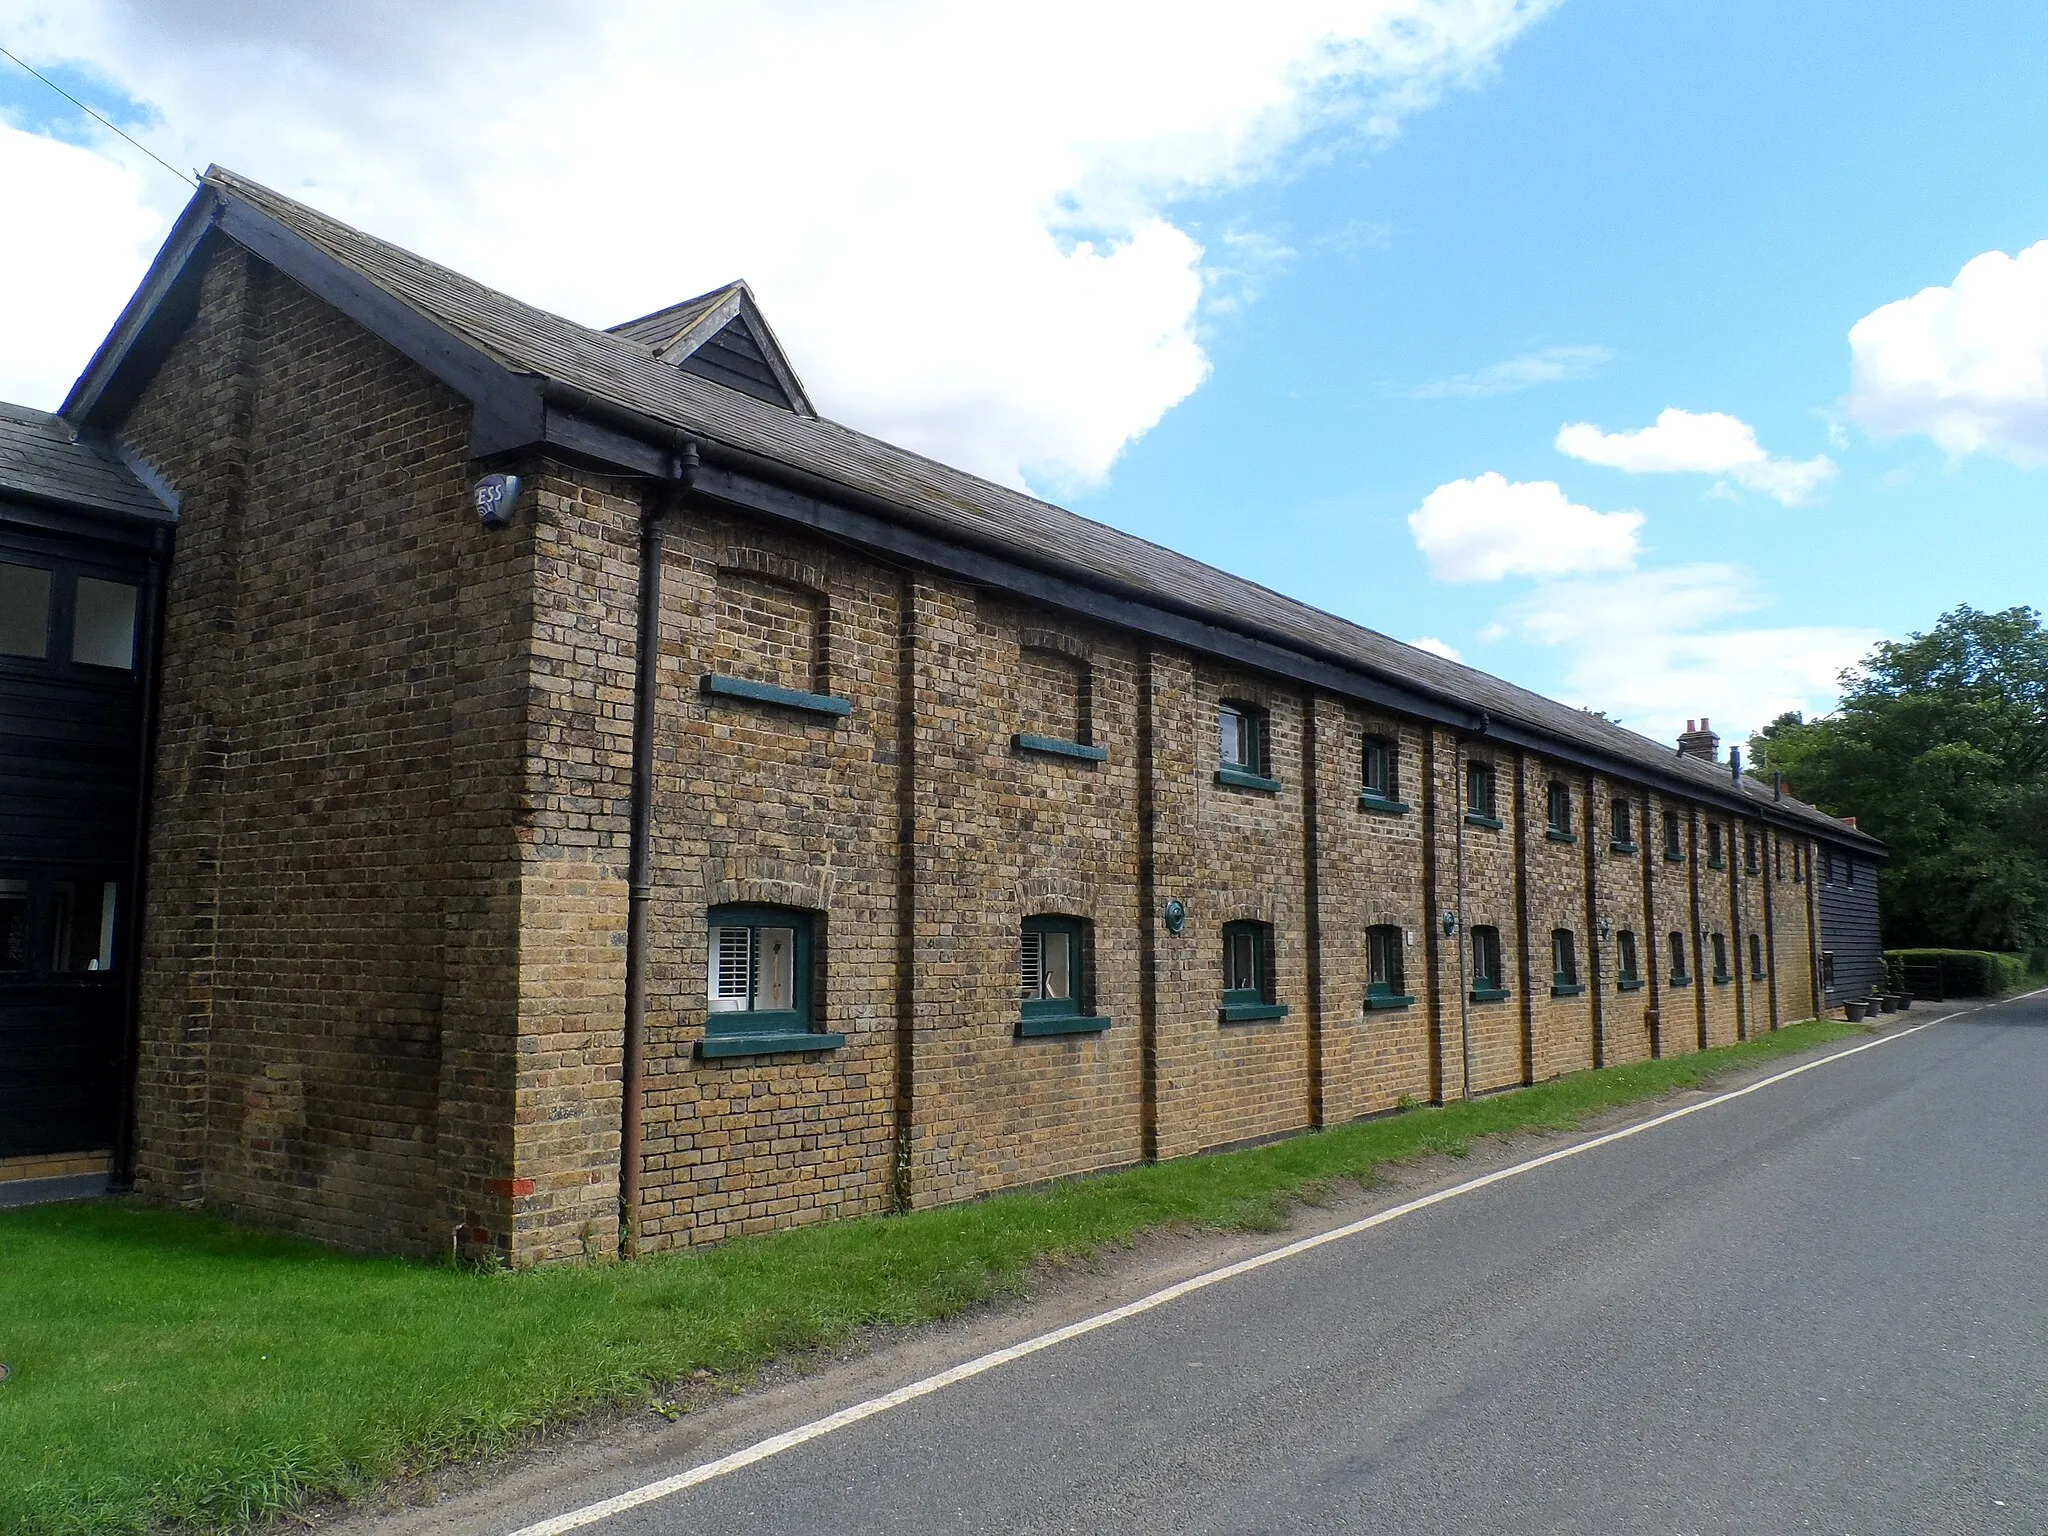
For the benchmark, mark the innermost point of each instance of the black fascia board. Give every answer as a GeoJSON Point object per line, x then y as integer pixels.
{"type": "Point", "coordinates": [68, 518]}
{"type": "Point", "coordinates": [152, 319]}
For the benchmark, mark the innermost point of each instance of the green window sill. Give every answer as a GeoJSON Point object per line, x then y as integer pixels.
{"type": "Point", "coordinates": [1062, 1024]}
{"type": "Point", "coordinates": [1375, 1001]}
{"type": "Point", "coordinates": [1489, 994]}
{"type": "Point", "coordinates": [1628, 984]}
{"type": "Point", "coordinates": [772, 1043]}
{"type": "Point", "coordinates": [1673, 858]}
{"type": "Point", "coordinates": [1567, 988]}
{"type": "Point", "coordinates": [1239, 778]}
{"type": "Point", "coordinates": [1759, 976]}
{"type": "Point", "coordinates": [1250, 1013]}
{"type": "Point", "coordinates": [1678, 980]}
{"type": "Point", "coordinates": [1481, 819]}
{"type": "Point", "coordinates": [1618, 846]}
{"type": "Point", "coordinates": [715, 686]}
{"type": "Point", "coordinates": [1560, 837]}
{"type": "Point", "coordinates": [1722, 978]}
{"type": "Point", "coordinates": [1717, 863]}
{"type": "Point", "coordinates": [1383, 805]}
{"type": "Point", "coordinates": [1053, 746]}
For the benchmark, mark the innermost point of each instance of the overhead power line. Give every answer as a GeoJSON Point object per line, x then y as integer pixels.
{"type": "Point", "coordinates": [183, 176]}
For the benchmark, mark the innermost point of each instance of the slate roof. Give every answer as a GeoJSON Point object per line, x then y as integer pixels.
{"type": "Point", "coordinates": [40, 461]}
{"type": "Point", "coordinates": [620, 368]}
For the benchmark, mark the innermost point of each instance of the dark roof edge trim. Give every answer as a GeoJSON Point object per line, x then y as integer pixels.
{"type": "Point", "coordinates": [162, 278]}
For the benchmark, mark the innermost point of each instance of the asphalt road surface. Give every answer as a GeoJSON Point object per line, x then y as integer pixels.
{"type": "Point", "coordinates": [1821, 1307]}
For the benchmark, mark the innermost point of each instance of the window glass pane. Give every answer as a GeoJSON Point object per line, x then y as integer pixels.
{"type": "Point", "coordinates": [731, 952]}
{"type": "Point", "coordinates": [775, 969]}
{"type": "Point", "coordinates": [1678, 954]}
{"type": "Point", "coordinates": [1240, 961]}
{"type": "Point", "coordinates": [1059, 962]}
{"type": "Point", "coordinates": [83, 939]}
{"type": "Point", "coordinates": [1626, 944]}
{"type": "Point", "coordinates": [13, 925]}
{"type": "Point", "coordinates": [1378, 778]}
{"type": "Point", "coordinates": [24, 611]}
{"type": "Point", "coordinates": [103, 629]}
{"type": "Point", "coordinates": [1231, 733]}
{"type": "Point", "coordinates": [1031, 968]}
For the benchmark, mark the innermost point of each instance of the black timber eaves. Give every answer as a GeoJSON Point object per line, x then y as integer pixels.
{"type": "Point", "coordinates": [517, 410]}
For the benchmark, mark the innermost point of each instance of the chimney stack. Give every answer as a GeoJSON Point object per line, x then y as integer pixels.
{"type": "Point", "coordinates": [1700, 741]}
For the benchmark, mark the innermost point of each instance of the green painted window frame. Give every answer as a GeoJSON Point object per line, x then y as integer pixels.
{"type": "Point", "coordinates": [1054, 746]}
{"type": "Point", "coordinates": [1044, 1016]}
{"type": "Point", "coordinates": [1564, 964]}
{"type": "Point", "coordinates": [1482, 794]}
{"type": "Point", "coordinates": [1717, 849]}
{"type": "Point", "coordinates": [1722, 975]}
{"type": "Point", "coordinates": [1757, 972]}
{"type": "Point", "coordinates": [1557, 812]}
{"type": "Point", "coordinates": [1384, 946]}
{"type": "Point", "coordinates": [1621, 824]}
{"type": "Point", "coordinates": [1245, 1005]}
{"type": "Point", "coordinates": [1488, 985]}
{"type": "Point", "coordinates": [1379, 772]}
{"type": "Point", "coordinates": [1679, 975]}
{"type": "Point", "coordinates": [762, 1032]}
{"type": "Point", "coordinates": [1674, 839]}
{"type": "Point", "coordinates": [1628, 963]}
{"type": "Point", "coordinates": [1752, 862]}
{"type": "Point", "coordinates": [716, 685]}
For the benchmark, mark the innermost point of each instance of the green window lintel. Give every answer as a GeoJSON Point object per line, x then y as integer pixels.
{"type": "Point", "coordinates": [767, 1043]}
{"type": "Point", "coordinates": [1034, 1028]}
{"type": "Point", "coordinates": [1250, 1013]}
{"type": "Point", "coordinates": [715, 686]}
{"type": "Point", "coordinates": [1489, 994]}
{"type": "Point", "coordinates": [1053, 746]}
{"type": "Point", "coordinates": [1383, 805]}
{"type": "Point", "coordinates": [1239, 778]}
{"type": "Point", "coordinates": [1481, 819]}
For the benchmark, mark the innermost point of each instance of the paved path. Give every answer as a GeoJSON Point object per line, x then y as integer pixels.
{"type": "Point", "coordinates": [1820, 1307]}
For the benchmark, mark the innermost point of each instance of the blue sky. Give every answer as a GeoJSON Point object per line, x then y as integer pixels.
{"type": "Point", "coordinates": [1261, 296]}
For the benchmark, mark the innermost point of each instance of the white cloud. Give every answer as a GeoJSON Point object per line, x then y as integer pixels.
{"type": "Point", "coordinates": [1698, 443]}
{"type": "Point", "coordinates": [1436, 647]}
{"type": "Point", "coordinates": [961, 219]}
{"type": "Point", "coordinates": [1966, 365]}
{"type": "Point", "coordinates": [1655, 648]}
{"type": "Point", "coordinates": [1491, 527]}
{"type": "Point", "coordinates": [1552, 365]}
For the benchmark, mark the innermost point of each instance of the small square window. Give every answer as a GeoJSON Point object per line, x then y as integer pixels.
{"type": "Point", "coordinates": [1248, 982]}
{"type": "Point", "coordinates": [1564, 963]}
{"type": "Point", "coordinates": [1380, 780]}
{"type": "Point", "coordinates": [1384, 974]}
{"type": "Point", "coordinates": [24, 611]}
{"type": "Point", "coordinates": [1050, 969]}
{"type": "Point", "coordinates": [1560, 806]}
{"type": "Point", "coordinates": [758, 985]}
{"type": "Point", "coordinates": [1479, 790]}
{"type": "Point", "coordinates": [1488, 984]}
{"type": "Point", "coordinates": [103, 624]}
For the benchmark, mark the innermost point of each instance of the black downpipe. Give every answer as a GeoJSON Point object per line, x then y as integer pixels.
{"type": "Point", "coordinates": [152, 630]}
{"type": "Point", "coordinates": [640, 861]}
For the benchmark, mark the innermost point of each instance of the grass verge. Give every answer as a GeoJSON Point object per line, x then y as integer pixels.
{"type": "Point", "coordinates": [173, 1368]}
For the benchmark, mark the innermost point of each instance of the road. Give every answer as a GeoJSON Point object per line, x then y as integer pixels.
{"type": "Point", "coordinates": [1819, 1307]}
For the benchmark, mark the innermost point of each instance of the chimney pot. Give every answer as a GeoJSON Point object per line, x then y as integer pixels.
{"type": "Point", "coordinates": [1700, 741]}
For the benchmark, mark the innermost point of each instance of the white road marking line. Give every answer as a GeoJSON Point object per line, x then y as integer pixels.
{"type": "Point", "coordinates": [775, 1445]}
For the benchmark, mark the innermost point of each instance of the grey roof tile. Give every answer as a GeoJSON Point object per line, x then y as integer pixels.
{"type": "Point", "coordinates": [620, 368]}
{"type": "Point", "coordinates": [40, 460]}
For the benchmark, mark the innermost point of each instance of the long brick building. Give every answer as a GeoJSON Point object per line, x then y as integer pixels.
{"type": "Point", "coordinates": [585, 780]}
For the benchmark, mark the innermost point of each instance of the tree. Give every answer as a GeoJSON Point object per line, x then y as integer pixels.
{"type": "Point", "coordinates": [1940, 748]}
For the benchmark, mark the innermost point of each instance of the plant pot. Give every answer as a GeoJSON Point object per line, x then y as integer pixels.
{"type": "Point", "coordinates": [1854, 1011]}
{"type": "Point", "coordinates": [1881, 1003]}
{"type": "Point", "coordinates": [1905, 999]}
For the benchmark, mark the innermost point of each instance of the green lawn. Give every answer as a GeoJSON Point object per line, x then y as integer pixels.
{"type": "Point", "coordinates": [171, 1367]}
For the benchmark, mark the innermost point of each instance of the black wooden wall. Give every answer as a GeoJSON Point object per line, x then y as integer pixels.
{"type": "Point", "coordinates": [1848, 924]}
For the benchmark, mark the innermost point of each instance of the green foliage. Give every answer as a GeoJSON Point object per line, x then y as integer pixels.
{"type": "Point", "coordinates": [170, 1368]}
{"type": "Point", "coordinates": [1940, 748]}
{"type": "Point", "coordinates": [1964, 972]}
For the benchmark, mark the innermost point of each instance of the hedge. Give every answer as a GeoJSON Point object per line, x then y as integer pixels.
{"type": "Point", "coordinates": [1964, 972]}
